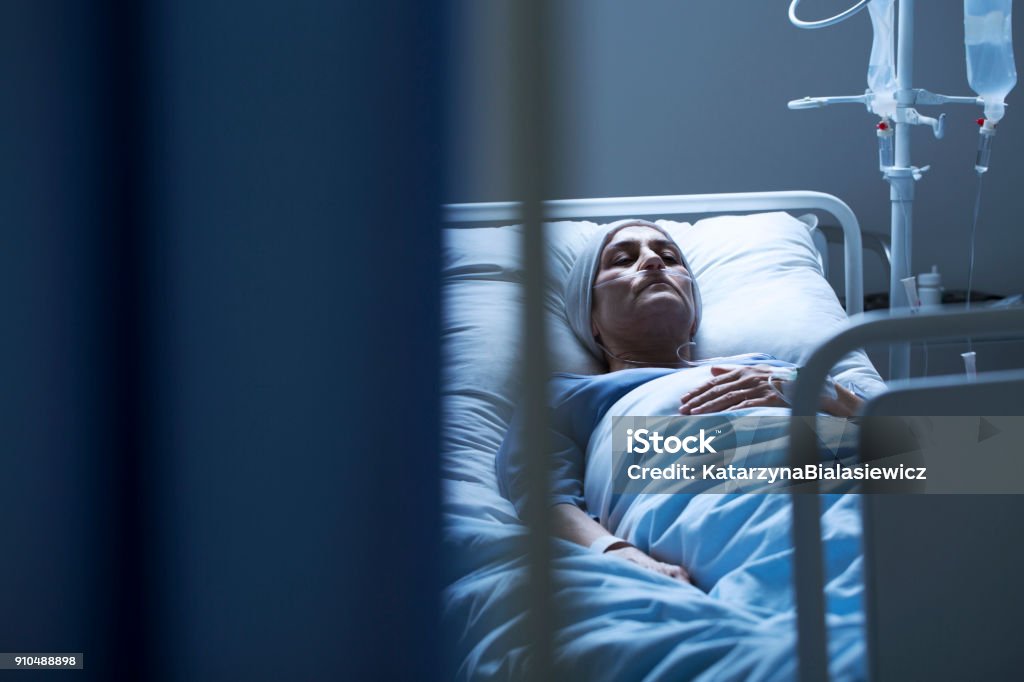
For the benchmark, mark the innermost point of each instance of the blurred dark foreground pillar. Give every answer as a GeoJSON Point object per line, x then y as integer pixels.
{"type": "Point", "coordinates": [219, 293]}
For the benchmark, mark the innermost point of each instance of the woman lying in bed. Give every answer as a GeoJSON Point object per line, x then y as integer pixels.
{"type": "Point", "coordinates": [632, 302]}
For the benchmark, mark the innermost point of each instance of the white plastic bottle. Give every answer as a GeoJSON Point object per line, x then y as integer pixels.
{"type": "Point", "coordinates": [929, 287]}
{"type": "Point", "coordinates": [991, 71]}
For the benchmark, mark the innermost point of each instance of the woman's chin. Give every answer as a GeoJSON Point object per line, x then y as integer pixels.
{"type": "Point", "coordinates": [662, 301]}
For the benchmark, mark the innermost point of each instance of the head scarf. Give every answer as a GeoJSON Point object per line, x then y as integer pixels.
{"type": "Point", "coordinates": [579, 289]}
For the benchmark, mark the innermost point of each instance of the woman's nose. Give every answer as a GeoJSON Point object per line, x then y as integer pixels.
{"type": "Point", "coordinates": [650, 260]}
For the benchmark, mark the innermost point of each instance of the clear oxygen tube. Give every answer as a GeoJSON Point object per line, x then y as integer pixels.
{"type": "Point", "coordinates": [653, 274]}
{"type": "Point", "coordinates": [781, 380]}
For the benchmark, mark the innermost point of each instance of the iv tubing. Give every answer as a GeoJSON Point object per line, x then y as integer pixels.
{"type": "Point", "coordinates": [970, 265]}
{"type": "Point", "coordinates": [842, 16]}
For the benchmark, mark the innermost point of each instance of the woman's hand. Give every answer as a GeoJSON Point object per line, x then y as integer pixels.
{"type": "Point", "coordinates": [845, 404]}
{"type": "Point", "coordinates": [631, 553]}
{"type": "Point", "coordinates": [732, 388]}
{"type": "Point", "coordinates": [735, 388]}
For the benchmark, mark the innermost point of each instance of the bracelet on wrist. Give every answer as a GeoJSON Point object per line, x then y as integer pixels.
{"type": "Point", "coordinates": [607, 542]}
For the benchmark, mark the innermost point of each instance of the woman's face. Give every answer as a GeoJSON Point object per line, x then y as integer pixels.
{"type": "Point", "coordinates": [638, 302]}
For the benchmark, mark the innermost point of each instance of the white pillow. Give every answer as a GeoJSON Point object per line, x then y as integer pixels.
{"type": "Point", "coordinates": [760, 282]}
{"type": "Point", "coordinates": [763, 290]}
{"type": "Point", "coordinates": [481, 326]}
{"type": "Point", "coordinates": [493, 254]}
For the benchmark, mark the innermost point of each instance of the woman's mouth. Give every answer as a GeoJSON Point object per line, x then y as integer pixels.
{"type": "Point", "coordinates": [655, 281]}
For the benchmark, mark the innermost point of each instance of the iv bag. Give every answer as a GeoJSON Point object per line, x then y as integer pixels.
{"type": "Point", "coordinates": [881, 65]}
{"type": "Point", "coordinates": [990, 68]}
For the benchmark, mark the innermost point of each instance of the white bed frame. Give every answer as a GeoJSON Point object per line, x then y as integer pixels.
{"type": "Point", "coordinates": [605, 209]}
{"type": "Point", "coordinates": [879, 327]}
{"type": "Point", "coordinates": [998, 388]}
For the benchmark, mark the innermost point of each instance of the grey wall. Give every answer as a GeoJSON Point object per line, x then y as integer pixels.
{"type": "Point", "coordinates": [677, 96]}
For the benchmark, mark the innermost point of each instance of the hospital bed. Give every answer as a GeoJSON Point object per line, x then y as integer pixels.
{"type": "Point", "coordinates": [483, 603]}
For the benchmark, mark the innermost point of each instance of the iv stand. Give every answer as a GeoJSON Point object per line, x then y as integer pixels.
{"type": "Point", "coordinates": [902, 176]}
{"type": "Point", "coordinates": [901, 184]}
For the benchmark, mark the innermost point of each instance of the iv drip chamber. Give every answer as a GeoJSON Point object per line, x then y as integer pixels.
{"type": "Point", "coordinates": [886, 151]}
{"type": "Point", "coordinates": [985, 135]}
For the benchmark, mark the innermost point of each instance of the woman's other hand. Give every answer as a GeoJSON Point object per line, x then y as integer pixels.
{"type": "Point", "coordinates": [732, 388]}
{"type": "Point", "coordinates": [845, 404]}
{"type": "Point", "coordinates": [631, 553]}
{"type": "Point", "coordinates": [575, 525]}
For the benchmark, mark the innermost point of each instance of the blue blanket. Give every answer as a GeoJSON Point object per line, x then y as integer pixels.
{"type": "Point", "coordinates": [622, 622]}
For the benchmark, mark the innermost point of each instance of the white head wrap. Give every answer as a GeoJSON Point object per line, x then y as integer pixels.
{"type": "Point", "coordinates": [579, 289]}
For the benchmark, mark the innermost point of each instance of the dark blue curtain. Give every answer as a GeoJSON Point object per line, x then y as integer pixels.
{"type": "Point", "coordinates": [219, 294]}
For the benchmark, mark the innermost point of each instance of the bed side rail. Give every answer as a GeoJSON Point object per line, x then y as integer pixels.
{"type": "Point", "coordinates": [870, 328]}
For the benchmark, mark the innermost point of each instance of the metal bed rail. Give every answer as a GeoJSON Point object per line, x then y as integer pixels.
{"type": "Point", "coordinates": [681, 204]}
{"type": "Point", "coordinates": [869, 328]}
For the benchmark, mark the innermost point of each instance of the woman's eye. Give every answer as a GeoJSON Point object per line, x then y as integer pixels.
{"type": "Point", "coordinates": [669, 258]}
{"type": "Point", "coordinates": [621, 260]}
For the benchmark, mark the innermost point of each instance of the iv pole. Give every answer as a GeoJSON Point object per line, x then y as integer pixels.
{"type": "Point", "coordinates": [901, 176]}
{"type": "Point", "coordinates": [901, 185]}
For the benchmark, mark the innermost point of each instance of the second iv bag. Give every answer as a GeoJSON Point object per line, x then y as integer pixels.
{"type": "Point", "coordinates": [990, 68]}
